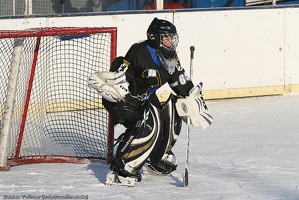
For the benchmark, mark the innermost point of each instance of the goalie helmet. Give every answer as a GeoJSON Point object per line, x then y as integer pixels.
{"type": "Point", "coordinates": [162, 35]}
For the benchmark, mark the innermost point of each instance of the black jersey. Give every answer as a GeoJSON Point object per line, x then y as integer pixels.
{"type": "Point", "coordinates": [146, 74]}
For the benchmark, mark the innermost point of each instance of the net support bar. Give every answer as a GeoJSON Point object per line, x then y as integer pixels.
{"type": "Point", "coordinates": [22, 127]}
{"type": "Point", "coordinates": [9, 105]}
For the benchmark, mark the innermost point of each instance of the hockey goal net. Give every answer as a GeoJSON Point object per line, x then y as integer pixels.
{"type": "Point", "coordinates": [47, 111]}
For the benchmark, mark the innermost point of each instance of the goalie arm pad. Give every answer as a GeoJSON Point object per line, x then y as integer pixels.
{"type": "Point", "coordinates": [194, 107]}
{"type": "Point", "coordinates": [111, 86]}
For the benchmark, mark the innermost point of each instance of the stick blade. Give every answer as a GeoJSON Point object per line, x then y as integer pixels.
{"type": "Point", "coordinates": [185, 177]}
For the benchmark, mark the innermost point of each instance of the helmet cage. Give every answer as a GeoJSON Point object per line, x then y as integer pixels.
{"type": "Point", "coordinates": [169, 41]}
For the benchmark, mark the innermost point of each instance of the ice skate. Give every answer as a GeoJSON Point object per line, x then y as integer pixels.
{"type": "Point", "coordinates": [114, 179]}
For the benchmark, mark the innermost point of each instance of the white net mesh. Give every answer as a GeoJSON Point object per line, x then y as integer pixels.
{"type": "Point", "coordinates": [64, 117]}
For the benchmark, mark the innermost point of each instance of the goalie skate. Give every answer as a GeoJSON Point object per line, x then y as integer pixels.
{"type": "Point", "coordinates": [113, 179]}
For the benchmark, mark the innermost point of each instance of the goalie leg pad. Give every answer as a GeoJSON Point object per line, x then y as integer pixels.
{"type": "Point", "coordinates": [138, 142]}
{"type": "Point", "coordinates": [162, 160]}
{"type": "Point", "coordinates": [171, 129]}
{"type": "Point", "coordinates": [194, 107]}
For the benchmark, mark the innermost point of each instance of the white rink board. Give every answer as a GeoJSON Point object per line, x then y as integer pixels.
{"type": "Point", "coordinates": [292, 46]}
{"type": "Point", "coordinates": [234, 48]}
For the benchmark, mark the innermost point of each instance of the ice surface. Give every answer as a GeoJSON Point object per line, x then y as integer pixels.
{"type": "Point", "coordinates": [250, 152]}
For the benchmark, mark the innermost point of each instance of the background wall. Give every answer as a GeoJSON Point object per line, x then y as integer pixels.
{"type": "Point", "coordinates": [238, 52]}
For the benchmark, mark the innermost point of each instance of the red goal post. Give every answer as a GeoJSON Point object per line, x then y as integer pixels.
{"type": "Point", "coordinates": [47, 111]}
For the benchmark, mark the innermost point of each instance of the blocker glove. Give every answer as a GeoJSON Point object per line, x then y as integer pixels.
{"type": "Point", "coordinates": [194, 107]}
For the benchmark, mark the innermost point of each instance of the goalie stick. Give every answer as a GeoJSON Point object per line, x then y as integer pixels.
{"type": "Point", "coordinates": [186, 171]}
